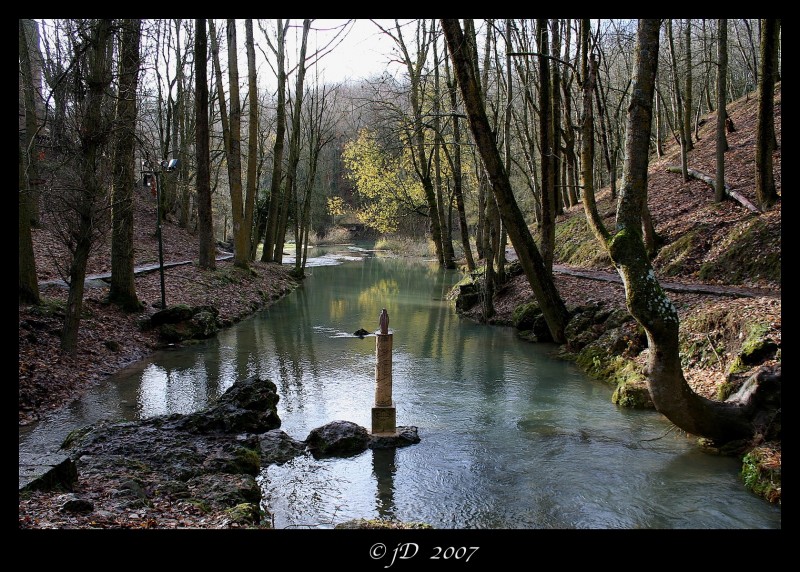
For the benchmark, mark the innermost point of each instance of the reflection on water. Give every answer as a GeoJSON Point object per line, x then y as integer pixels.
{"type": "Point", "coordinates": [510, 438]}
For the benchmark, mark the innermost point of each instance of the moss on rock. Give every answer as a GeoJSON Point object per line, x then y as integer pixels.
{"type": "Point", "coordinates": [762, 476]}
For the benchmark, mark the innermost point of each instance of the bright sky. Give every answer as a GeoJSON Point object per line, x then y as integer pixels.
{"type": "Point", "coordinates": [364, 52]}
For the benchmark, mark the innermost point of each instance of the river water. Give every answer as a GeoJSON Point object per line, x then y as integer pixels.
{"type": "Point", "coordinates": [510, 437]}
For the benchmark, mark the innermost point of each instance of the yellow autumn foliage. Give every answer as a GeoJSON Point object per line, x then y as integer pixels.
{"type": "Point", "coordinates": [386, 186]}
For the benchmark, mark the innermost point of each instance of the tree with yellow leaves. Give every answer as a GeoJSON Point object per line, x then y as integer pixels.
{"type": "Point", "coordinates": [386, 186]}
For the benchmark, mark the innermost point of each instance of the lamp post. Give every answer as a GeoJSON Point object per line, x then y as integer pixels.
{"type": "Point", "coordinates": [149, 169]}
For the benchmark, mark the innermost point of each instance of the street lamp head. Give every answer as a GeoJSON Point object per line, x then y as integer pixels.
{"type": "Point", "coordinates": [171, 164]}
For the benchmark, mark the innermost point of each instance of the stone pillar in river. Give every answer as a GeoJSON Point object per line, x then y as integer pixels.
{"type": "Point", "coordinates": [384, 416]}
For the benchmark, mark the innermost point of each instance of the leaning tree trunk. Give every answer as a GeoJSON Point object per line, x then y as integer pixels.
{"type": "Point", "coordinates": [645, 299]}
{"type": "Point", "coordinates": [541, 281]}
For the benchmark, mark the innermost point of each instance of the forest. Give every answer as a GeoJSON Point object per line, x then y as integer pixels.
{"type": "Point", "coordinates": [481, 137]}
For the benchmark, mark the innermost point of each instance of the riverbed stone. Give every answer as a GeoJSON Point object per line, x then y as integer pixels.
{"type": "Point", "coordinates": [338, 438]}
{"type": "Point", "coordinates": [182, 322]}
{"type": "Point", "coordinates": [277, 447]}
{"type": "Point", "coordinates": [403, 436]}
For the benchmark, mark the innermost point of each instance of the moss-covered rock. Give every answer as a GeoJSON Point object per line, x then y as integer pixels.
{"type": "Point", "coordinates": [761, 474]}
{"type": "Point", "coordinates": [633, 394]}
{"type": "Point", "coordinates": [244, 513]}
{"type": "Point", "coordinates": [523, 316]}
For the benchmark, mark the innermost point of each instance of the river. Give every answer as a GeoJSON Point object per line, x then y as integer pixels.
{"type": "Point", "coordinates": [510, 437]}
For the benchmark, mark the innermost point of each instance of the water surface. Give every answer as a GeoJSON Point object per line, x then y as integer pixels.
{"type": "Point", "coordinates": [510, 437]}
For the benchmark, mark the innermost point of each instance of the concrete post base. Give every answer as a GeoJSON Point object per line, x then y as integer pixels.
{"type": "Point", "coordinates": [384, 420]}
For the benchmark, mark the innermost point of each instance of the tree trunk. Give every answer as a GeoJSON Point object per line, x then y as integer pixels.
{"type": "Point", "coordinates": [123, 288]}
{"type": "Point", "coordinates": [28, 284]}
{"type": "Point", "coordinates": [551, 304]}
{"type": "Point", "coordinates": [602, 113]}
{"type": "Point", "coordinates": [31, 95]}
{"type": "Point", "coordinates": [687, 95]}
{"type": "Point", "coordinates": [679, 105]}
{"type": "Point", "coordinates": [448, 254]}
{"type": "Point", "coordinates": [93, 135]}
{"type": "Point", "coordinates": [646, 300]}
{"type": "Point", "coordinates": [28, 281]}
{"type": "Point", "coordinates": [418, 143]}
{"type": "Point", "coordinates": [271, 220]}
{"type": "Point", "coordinates": [568, 134]}
{"type": "Point", "coordinates": [456, 167]}
{"type": "Point", "coordinates": [294, 148]}
{"type": "Point", "coordinates": [241, 234]}
{"type": "Point", "coordinates": [765, 130]}
{"type": "Point", "coordinates": [252, 137]}
{"type": "Point", "coordinates": [548, 227]}
{"type": "Point", "coordinates": [205, 222]}
{"type": "Point", "coordinates": [722, 114]}
{"type": "Point", "coordinates": [709, 180]}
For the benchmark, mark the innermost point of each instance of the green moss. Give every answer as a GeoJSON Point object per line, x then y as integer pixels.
{"type": "Point", "coordinates": [244, 513]}
{"type": "Point", "coordinates": [249, 460]}
{"type": "Point", "coordinates": [199, 503]}
{"type": "Point", "coordinates": [49, 307]}
{"type": "Point", "coordinates": [523, 316]}
{"type": "Point", "coordinates": [614, 369]}
{"type": "Point", "coordinates": [762, 480]}
{"type": "Point", "coordinates": [676, 254]}
{"type": "Point", "coordinates": [576, 245]}
{"type": "Point", "coordinates": [725, 390]}
{"type": "Point", "coordinates": [756, 345]}
{"type": "Point", "coordinates": [743, 256]}
{"type": "Point", "coordinates": [633, 393]}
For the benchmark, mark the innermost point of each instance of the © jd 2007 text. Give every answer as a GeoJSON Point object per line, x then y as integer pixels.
{"type": "Point", "coordinates": [408, 550]}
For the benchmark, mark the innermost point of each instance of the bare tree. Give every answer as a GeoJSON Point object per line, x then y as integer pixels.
{"type": "Point", "coordinates": [548, 229]}
{"type": "Point", "coordinates": [722, 113]}
{"type": "Point", "coordinates": [687, 94]}
{"type": "Point", "coordinates": [318, 129]}
{"type": "Point", "coordinates": [270, 219]}
{"type": "Point", "coordinates": [28, 285]}
{"type": "Point", "coordinates": [86, 204]}
{"type": "Point", "coordinates": [448, 254]}
{"type": "Point", "coordinates": [541, 280]}
{"type": "Point", "coordinates": [252, 140]}
{"type": "Point", "coordinates": [289, 187]}
{"type": "Point", "coordinates": [765, 130]}
{"type": "Point", "coordinates": [455, 164]}
{"type": "Point", "coordinates": [205, 221]}
{"type": "Point", "coordinates": [231, 126]}
{"type": "Point", "coordinates": [123, 287]}
{"type": "Point", "coordinates": [646, 300]}
{"type": "Point", "coordinates": [416, 132]}
{"type": "Point", "coordinates": [30, 67]}
{"type": "Point", "coordinates": [680, 125]}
